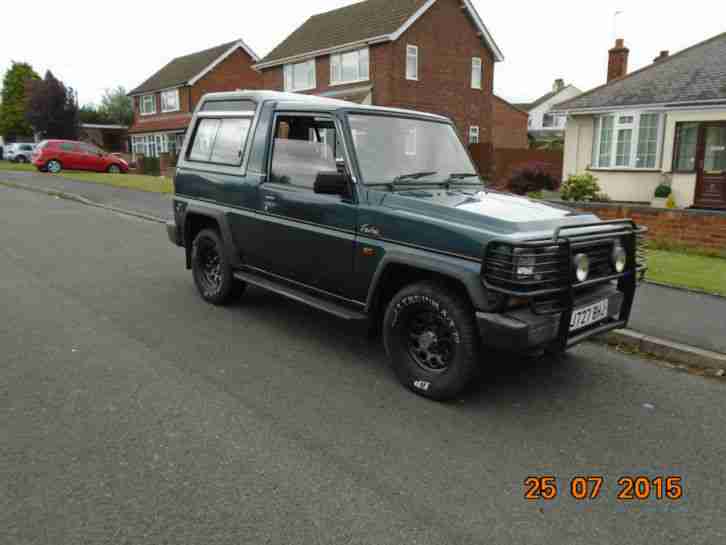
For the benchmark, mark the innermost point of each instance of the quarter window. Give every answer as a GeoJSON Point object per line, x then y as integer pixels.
{"type": "Point", "coordinates": [476, 75]}
{"type": "Point", "coordinates": [170, 101]}
{"type": "Point", "coordinates": [350, 67]}
{"type": "Point", "coordinates": [626, 140]}
{"type": "Point", "coordinates": [300, 76]}
{"type": "Point", "coordinates": [147, 105]}
{"type": "Point", "coordinates": [220, 141]}
{"type": "Point", "coordinates": [411, 62]}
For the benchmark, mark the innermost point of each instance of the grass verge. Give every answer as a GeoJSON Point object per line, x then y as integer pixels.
{"type": "Point", "coordinates": [138, 182]}
{"type": "Point", "coordinates": [688, 270]}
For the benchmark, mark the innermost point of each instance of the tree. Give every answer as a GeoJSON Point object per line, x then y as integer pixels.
{"type": "Point", "coordinates": [13, 124]}
{"type": "Point", "coordinates": [90, 114]}
{"type": "Point", "coordinates": [116, 106]}
{"type": "Point", "coordinates": [51, 108]}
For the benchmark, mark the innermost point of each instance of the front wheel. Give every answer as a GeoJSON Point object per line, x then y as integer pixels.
{"type": "Point", "coordinates": [432, 340]}
{"type": "Point", "coordinates": [212, 271]}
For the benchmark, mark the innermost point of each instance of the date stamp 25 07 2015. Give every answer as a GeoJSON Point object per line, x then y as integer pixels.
{"type": "Point", "coordinates": [630, 488]}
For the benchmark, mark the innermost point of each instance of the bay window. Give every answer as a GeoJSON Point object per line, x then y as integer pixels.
{"type": "Point", "coordinates": [627, 140]}
{"type": "Point", "coordinates": [350, 67]}
{"type": "Point", "coordinates": [170, 100]}
{"type": "Point", "coordinates": [300, 76]}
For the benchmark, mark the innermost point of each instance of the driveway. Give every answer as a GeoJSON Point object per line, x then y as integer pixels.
{"type": "Point", "coordinates": [134, 413]}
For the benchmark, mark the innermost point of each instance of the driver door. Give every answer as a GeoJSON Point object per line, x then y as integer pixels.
{"type": "Point", "coordinates": [304, 236]}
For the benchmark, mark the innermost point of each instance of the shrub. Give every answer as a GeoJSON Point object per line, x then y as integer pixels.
{"type": "Point", "coordinates": [532, 178]}
{"type": "Point", "coordinates": [602, 197]}
{"type": "Point", "coordinates": [538, 195]}
{"type": "Point", "coordinates": [151, 166]}
{"type": "Point", "coordinates": [663, 191]}
{"type": "Point", "coordinates": [583, 188]}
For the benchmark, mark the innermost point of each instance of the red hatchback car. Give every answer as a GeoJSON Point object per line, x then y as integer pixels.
{"type": "Point", "coordinates": [55, 155]}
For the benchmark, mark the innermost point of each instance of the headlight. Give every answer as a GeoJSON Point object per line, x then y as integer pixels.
{"type": "Point", "coordinates": [581, 264]}
{"type": "Point", "coordinates": [619, 257]}
{"type": "Point", "coordinates": [525, 266]}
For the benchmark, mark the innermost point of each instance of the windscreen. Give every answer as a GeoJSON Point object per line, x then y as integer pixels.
{"type": "Point", "coordinates": [390, 148]}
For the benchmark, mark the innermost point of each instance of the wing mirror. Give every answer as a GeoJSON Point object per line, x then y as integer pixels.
{"type": "Point", "coordinates": [332, 183]}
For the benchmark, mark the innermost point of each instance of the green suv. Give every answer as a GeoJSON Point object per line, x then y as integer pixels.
{"type": "Point", "coordinates": [378, 214]}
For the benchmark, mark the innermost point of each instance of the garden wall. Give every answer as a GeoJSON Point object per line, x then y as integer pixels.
{"type": "Point", "coordinates": [695, 228]}
{"type": "Point", "coordinates": [498, 165]}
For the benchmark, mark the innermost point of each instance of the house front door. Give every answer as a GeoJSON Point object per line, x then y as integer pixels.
{"type": "Point", "coordinates": [711, 184]}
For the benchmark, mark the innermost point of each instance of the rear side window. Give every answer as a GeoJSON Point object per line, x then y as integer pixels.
{"type": "Point", "coordinates": [220, 141]}
{"type": "Point", "coordinates": [67, 147]}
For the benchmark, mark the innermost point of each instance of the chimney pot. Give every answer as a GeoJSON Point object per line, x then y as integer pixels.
{"type": "Point", "coordinates": [558, 85]}
{"type": "Point", "coordinates": [618, 60]}
{"type": "Point", "coordinates": [663, 55]}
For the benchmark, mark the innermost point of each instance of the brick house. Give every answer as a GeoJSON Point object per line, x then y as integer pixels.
{"type": "Point", "coordinates": [510, 125]}
{"type": "Point", "coordinates": [164, 103]}
{"type": "Point", "coordinates": [430, 55]}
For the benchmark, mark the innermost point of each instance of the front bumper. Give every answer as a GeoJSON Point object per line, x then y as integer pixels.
{"type": "Point", "coordinates": [522, 330]}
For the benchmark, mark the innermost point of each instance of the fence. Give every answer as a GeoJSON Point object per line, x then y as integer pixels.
{"type": "Point", "coordinates": [499, 165]}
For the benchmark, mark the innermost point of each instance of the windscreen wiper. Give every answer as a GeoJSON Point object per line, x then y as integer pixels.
{"type": "Point", "coordinates": [414, 176]}
{"type": "Point", "coordinates": [460, 176]}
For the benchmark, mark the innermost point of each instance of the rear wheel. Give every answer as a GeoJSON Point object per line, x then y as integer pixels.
{"type": "Point", "coordinates": [53, 166]}
{"type": "Point", "coordinates": [114, 169]}
{"type": "Point", "coordinates": [211, 270]}
{"type": "Point", "coordinates": [432, 340]}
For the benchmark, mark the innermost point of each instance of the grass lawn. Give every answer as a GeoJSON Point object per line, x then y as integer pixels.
{"type": "Point", "coordinates": [139, 182]}
{"type": "Point", "coordinates": [688, 270]}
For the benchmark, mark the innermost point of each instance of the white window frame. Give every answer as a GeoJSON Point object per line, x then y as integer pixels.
{"type": "Point", "coordinates": [477, 68]}
{"type": "Point", "coordinates": [141, 104]}
{"type": "Point", "coordinates": [178, 102]}
{"type": "Point", "coordinates": [412, 53]}
{"type": "Point", "coordinates": [620, 124]}
{"type": "Point", "coordinates": [336, 61]}
{"type": "Point", "coordinates": [474, 134]}
{"type": "Point", "coordinates": [288, 72]}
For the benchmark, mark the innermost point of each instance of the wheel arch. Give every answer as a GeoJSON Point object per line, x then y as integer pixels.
{"type": "Point", "coordinates": [198, 218]}
{"type": "Point", "coordinates": [399, 269]}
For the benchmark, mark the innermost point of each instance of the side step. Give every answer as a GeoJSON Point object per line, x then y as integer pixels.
{"type": "Point", "coordinates": [301, 296]}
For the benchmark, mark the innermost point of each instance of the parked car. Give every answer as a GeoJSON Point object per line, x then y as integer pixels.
{"type": "Point", "coordinates": [19, 153]}
{"type": "Point", "coordinates": [378, 215]}
{"type": "Point", "coordinates": [56, 155]}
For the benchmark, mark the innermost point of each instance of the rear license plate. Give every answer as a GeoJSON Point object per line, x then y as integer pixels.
{"type": "Point", "coordinates": [586, 316]}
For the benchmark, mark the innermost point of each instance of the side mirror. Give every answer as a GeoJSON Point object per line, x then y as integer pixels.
{"type": "Point", "coordinates": [332, 183]}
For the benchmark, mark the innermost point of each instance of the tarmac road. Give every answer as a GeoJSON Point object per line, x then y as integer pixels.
{"type": "Point", "coordinates": [133, 413]}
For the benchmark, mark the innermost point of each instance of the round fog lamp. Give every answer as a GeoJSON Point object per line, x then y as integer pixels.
{"type": "Point", "coordinates": [620, 258]}
{"type": "Point", "coordinates": [582, 267]}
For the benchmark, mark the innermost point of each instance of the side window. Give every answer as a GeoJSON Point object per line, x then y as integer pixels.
{"type": "Point", "coordinates": [303, 147]}
{"type": "Point", "coordinates": [68, 148]}
{"type": "Point", "coordinates": [220, 141]}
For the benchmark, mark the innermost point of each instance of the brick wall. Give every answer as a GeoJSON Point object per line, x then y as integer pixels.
{"type": "Point", "coordinates": [234, 72]}
{"type": "Point", "coordinates": [499, 165]}
{"type": "Point", "coordinates": [447, 40]}
{"type": "Point", "coordinates": [510, 125]}
{"type": "Point", "coordinates": [695, 228]}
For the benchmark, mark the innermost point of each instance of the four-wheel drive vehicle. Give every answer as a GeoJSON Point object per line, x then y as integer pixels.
{"type": "Point", "coordinates": [19, 153]}
{"type": "Point", "coordinates": [55, 155]}
{"type": "Point", "coordinates": [378, 214]}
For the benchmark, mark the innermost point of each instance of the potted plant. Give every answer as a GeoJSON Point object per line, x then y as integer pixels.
{"type": "Point", "coordinates": [660, 198]}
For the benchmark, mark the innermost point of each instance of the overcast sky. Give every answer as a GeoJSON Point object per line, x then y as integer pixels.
{"type": "Point", "coordinates": [93, 45]}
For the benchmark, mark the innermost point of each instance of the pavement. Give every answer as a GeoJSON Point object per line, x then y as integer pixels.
{"type": "Point", "coordinates": [134, 413]}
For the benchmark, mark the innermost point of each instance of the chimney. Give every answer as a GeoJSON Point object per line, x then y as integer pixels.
{"type": "Point", "coordinates": [663, 55]}
{"type": "Point", "coordinates": [558, 85]}
{"type": "Point", "coordinates": [618, 62]}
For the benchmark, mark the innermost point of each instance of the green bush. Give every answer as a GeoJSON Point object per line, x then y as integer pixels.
{"type": "Point", "coordinates": [537, 195]}
{"type": "Point", "coordinates": [151, 166]}
{"type": "Point", "coordinates": [533, 177]}
{"type": "Point", "coordinates": [580, 188]}
{"type": "Point", "coordinates": [663, 191]}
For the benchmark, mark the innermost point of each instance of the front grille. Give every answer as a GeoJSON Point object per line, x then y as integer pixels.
{"type": "Point", "coordinates": [532, 269]}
